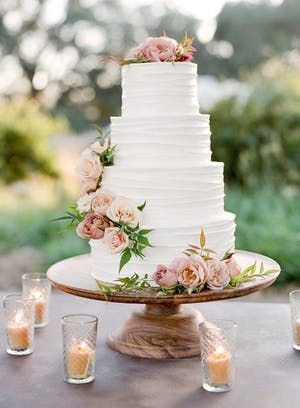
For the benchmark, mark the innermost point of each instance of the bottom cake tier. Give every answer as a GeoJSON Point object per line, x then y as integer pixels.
{"type": "Point", "coordinates": [168, 243]}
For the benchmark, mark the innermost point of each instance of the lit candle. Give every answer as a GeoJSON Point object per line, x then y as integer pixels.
{"type": "Point", "coordinates": [297, 331]}
{"type": "Point", "coordinates": [80, 357]}
{"type": "Point", "coordinates": [219, 366]}
{"type": "Point", "coordinates": [18, 332]}
{"type": "Point", "coordinates": [40, 304]}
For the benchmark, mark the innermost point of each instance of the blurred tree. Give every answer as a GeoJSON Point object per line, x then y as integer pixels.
{"type": "Point", "coordinates": [53, 49]}
{"type": "Point", "coordinates": [24, 130]}
{"type": "Point", "coordinates": [259, 139]}
{"type": "Point", "coordinates": [249, 33]}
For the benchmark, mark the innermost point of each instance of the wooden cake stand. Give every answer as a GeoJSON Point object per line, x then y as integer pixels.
{"type": "Point", "coordinates": [163, 329]}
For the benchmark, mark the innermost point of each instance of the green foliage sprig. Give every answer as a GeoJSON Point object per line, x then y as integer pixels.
{"type": "Point", "coordinates": [124, 285]}
{"type": "Point", "coordinates": [250, 273]}
{"type": "Point", "coordinates": [107, 157]}
{"type": "Point", "coordinates": [72, 215]}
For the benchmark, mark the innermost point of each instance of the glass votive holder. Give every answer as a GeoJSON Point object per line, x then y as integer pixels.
{"type": "Point", "coordinates": [19, 324]}
{"type": "Point", "coordinates": [79, 347]}
{"type": "Point", "coordinates": [37, 285]}
{"type": "Point", "coordinates": [217, 342]}
{"type": "Point", "coordinates": [295, 315]}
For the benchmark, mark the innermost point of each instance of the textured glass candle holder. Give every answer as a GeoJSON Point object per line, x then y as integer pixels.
{"type": "Point", "coordinates": [295, 314]}
{"type": "Point", "coordinates": [37, 285]}
{"type": "Point", "coordinates": [19, 324]}
{"type": "Point", "coordinates": [217, 338]}
{"type": "Point", "coordinates": [79, 346]}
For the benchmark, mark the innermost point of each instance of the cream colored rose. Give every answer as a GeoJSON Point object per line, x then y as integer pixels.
{"type": "Point", "coordinates": [218, 274]}
{"type": "Point", "coordinates": [99, 148]}
{"type": "Point", "coordinates": [85, 201]}
{"type": "Point", "coordinates": [191, 270]}
{"type": "Point", "coordinates": [89, 166]}
{"type": "Point", "coordinates": [124, 210]}
{"type": "Point", "coordinates": [115, 240]}
{"type": "Point", "coordinates": [233, 267]}
{"type": "Point", "coordinates": [101, 201]}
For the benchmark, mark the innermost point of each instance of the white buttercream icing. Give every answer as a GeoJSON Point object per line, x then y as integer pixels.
{"type": "Point", "coordinates": [163, 156]}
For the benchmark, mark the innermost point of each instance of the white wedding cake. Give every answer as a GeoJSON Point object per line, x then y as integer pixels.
{"type": "Point", "coordinates": [163, 156]}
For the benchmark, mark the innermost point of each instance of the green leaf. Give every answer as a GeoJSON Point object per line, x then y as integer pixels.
{"type": "Point", "coordinates": [144, 240]}
{"type": "Point", "coordinates": [145, 231]}
{"type": "Point", "coordinates": [66, 217]}
{"type": "Point", "coordinates": [99, 130]}
{"type": "Point", "coordinates": [125, 258]}
{"type": "Point", "coordinates": [142, 206]}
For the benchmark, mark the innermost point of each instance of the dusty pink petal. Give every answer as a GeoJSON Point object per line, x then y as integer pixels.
{"type": "Point", "coordinates": [165, 277]}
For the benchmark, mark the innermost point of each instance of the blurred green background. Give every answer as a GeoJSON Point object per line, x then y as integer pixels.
{"type": "Point", "coordinates": [54, 84]}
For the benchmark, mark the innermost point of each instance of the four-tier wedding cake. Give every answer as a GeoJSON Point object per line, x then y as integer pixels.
{"type": "Point", "coordinates": [163, 157]}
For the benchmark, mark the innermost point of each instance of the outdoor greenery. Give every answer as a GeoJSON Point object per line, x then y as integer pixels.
{"type": "Point", "coordinates": [24, 132]}
{"type": "Point", "coordinates": [259, 139]}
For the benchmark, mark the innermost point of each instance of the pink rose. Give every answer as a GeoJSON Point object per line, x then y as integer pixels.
{"type": "Point", "coordinates": [115, 239]}
{"type": "Point", "coordinates": [165, 277]}
{"type": "Point", "coordinates": [218, 274]}
{"type": "Point", "coordinates": [233, 267]}
{"type": "Point", "coordinates": [93, 226]}
{"type": "Point", "coordinates": [88, 186]}
{"type": "Point", "coordinates": [124, 210]}
{"type": "Point", "coordinates": [84, 202]}
{"type": "Point", "coordinates": [158, 49]}
{"type": "Point", "coordinates": [89, 166]}
{"type": "Point", "coordinates": [191, 270]}
{"type": "Point", "coordinates": [99, 148]}
{"type": "Point", "coordinates": [101, 201]}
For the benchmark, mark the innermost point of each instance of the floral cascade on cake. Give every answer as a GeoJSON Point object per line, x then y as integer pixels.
{"type": "Point", "coordinates": [146, 197]}
{"type": "Point", "coordinates": [194, 270]}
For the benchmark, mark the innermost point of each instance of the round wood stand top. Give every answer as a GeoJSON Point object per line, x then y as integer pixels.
{"type": "Point", "coordinates": [73, 276]}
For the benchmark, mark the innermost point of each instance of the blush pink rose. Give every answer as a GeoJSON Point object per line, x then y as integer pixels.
{"type": "Point", "coordinates": [158, 49]}
{"type": "Point", "coordinates": [191, 270]}
{"type": "Point", "coordinates": [93, 226]}
{"type": "Point", "coordinates": [233, 267]}
{"type": "Point", "coordinates": [165, 277]}
{"type": "Point", "coordinates": [218, 274]}
{"type": "Point", "coordinates": [84, 202]}
{"type": "Point", "coordinates": [115, 240]}
{"type": "Point", "coordinates": [101, 201]}
{"type": "Point", "coordinates": [124, 210]}
{"type": "Point", "coordinates": [89, 166]}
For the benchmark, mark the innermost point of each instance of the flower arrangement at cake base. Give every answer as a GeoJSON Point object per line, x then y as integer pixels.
{"type": "Point", "coordinates": [191, 272]}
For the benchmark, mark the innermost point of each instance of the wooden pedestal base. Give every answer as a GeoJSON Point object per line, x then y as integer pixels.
{"type": "Point", "coordinates": [161, 331]}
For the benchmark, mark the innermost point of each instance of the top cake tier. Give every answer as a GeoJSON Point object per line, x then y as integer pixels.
{"type": "Point", "coordinates": [159, 89]}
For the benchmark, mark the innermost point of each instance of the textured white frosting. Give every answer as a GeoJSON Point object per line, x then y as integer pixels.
{"type": "Point", "coordinates": [163, 156]}
{"type": "Point", "coordinates": [159, 89]}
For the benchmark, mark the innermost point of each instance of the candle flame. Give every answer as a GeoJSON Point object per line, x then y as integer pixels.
{"type": "Point", "coordinates": [19, 316]}
{"type": "Point", "coordinates": [220, 349]}
{"type": "Point", "coordinates": [36, 293]}
{"type": "Point", "coordinates": [83, 345]}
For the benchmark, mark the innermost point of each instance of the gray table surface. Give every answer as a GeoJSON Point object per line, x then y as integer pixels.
{"type": "Point", "coordinates": [267, 369]}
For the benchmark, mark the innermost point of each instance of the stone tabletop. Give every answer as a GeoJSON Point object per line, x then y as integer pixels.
{"type": "Point", "coordinates": [267, 369]}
